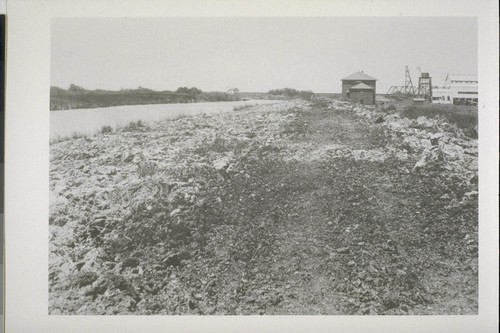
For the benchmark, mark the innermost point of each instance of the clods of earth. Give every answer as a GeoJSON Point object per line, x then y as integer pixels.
{"type": "Point", "coordinates": [319, 207]}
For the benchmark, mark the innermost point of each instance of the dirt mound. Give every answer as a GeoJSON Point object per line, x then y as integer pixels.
{"type": "Point", "coordinates": [290, 208]}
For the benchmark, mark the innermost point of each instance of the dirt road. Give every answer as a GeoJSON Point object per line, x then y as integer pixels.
{"type": "Point", "coordinates": [316, 217]}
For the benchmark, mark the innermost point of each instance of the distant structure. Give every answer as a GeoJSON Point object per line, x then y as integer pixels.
{"type": "Point", "coordinates": [407, 89]}
{"type": "Point", "coordinates": [422, 93]}
{"type": "Point", "coordinates": [458, 89]}
{"type": "Point", "coordinates": [425, 87]}
{"type": "Point", "coordinates": [233, 91]}
{"type": "Point", "coordinates": [359, 88]}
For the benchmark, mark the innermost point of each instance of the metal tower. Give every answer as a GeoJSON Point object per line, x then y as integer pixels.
{"type": "Point", "coordinates": [407, 89]}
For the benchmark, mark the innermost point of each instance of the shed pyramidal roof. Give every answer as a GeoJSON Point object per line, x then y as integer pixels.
{"type": "Point", "coordinates": [361, 86]}
{"type": "Point", "coordinates": [359, 76]}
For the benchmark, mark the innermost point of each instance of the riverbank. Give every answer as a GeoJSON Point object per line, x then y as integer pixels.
{"type": "Point", "coordinates": [79, 98]}
{"type": "Point", "coordinates": [317, 207]}
{"type": "Point", "coordinates": [71, 124]}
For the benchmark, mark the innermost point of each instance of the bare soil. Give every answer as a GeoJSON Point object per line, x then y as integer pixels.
{"type": "Point", "coordinates": [301, 216]}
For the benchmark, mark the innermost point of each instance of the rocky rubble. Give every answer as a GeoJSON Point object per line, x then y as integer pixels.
{"type": "Point", "coordinates": [231, 213]}
{"type": "Point", "coordinates": [434, 143]}
{"type": "Point", "coordinates": [100, 183]}
{"type": "Point", "coordinates": [440, 145]}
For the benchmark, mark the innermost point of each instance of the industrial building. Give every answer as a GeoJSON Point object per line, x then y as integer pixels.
{"type": "Point", "coordinates": [420, 94]}
{"type": "Point", "coordinates": [359, 88]}
{"type": "Point", "coordinates": [458, 89]}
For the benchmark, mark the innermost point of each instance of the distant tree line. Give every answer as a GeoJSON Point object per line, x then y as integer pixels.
{"type": "Point", "coordinates": [76, 97]}
{"type": "Point", "coordinates": [191, 91]}
{"type": "Point", "coordinates": [293, 93]}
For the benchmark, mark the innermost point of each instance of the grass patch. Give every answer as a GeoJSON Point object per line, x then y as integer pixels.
{"type": "Point", "coordinates": [63, 138]}
{"type": "Point", "coordinates": [106, 129]}
{"type": "Point", "coordinates": [77, 135]}
{"type": "Point", "coordinates": [135, 126]}
{"type": "Point", "coordinates": [464, 118]}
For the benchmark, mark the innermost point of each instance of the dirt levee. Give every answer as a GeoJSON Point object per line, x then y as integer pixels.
{"type": "Point", "coordinates": [318, 207]}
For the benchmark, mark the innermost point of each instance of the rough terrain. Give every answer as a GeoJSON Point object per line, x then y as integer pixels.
{"type": "Point", "coordinates": [318, 207]}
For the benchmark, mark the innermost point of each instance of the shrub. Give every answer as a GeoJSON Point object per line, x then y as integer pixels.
{"type": "Point", "coordinates": [462, 117]}
{"type": "Point", "coordinates": [290, 92]}
{"type": "Point", "coordinates": [106, 129]}
{"type": "Point", "coordinates": [135, 126]}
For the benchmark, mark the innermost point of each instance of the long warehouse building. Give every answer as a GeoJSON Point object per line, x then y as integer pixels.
{"type": "Point", "coordinates": [458, 89]}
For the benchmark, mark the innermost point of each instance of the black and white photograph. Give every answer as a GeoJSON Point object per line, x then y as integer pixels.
{"type": "Point", "coordinates": [251, 166]}
{"type": "Point", "coordinates": [263, 166]}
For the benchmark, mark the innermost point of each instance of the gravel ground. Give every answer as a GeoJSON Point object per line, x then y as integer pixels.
{"type": "Point", "coordinates": [318, 207]}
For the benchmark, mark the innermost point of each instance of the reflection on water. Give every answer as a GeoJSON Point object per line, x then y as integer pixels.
{"type": "Point", "coordinates": [88, 121]}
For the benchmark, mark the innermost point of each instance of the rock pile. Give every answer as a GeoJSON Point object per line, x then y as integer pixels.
{"type": "Point", "coordinates": [104, 183]}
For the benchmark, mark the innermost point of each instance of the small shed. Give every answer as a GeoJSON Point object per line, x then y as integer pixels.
{"type": "Point", "coordinates": [354, 80]}
{"type": "Point", "coordinates": [363, 94]}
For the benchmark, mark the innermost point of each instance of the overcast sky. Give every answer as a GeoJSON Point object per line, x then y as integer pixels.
{"type": "Point", "coordinates": [257, 54]}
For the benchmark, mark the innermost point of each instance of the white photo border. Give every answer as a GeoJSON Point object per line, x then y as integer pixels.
{"type": "Point", "coordinates": [27, 166]}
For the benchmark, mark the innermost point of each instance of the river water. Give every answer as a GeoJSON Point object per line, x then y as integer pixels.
{"type": "Point", "coordinates": [88, 121]}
